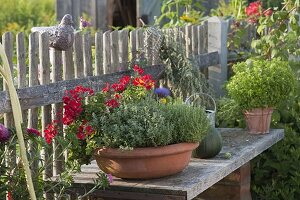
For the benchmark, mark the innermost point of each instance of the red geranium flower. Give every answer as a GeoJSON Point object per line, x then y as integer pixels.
{"type": "Point", "coordinates": [106, 89]}
{"type": "Point", "coordinates": [73, 103]}
{"type": "Point", "coordinates": [138, 82]}
{"type": "Point", "coordinates": [80, 90]}
{"type": "Point", "coordinates": [34, 132]}
{"type": "Point", "coordinates": [50, 132]}
{"type": "Point", "coordinates": [268, 12]}
{"type": "Point", "coordinates": [118, 96]}
{"type": "Point", "coordinates": [125, 80]}
{"type": "Point", "coordinates": [137, 69]}
{"type": "Point", "coordinates": [254, 8]}
{"type": "Point", "coordinates": [9, 196]}
{"type": "Point", "coordinates": [113, 103]}
{"type": "Point", "coordinates": [80, 135]}
{"type": "Point", "coordinates": [118, 87]}
{"type": "Point", "coordinates": [84, 130]}
{"type": "Point", "coordinates": [148, 81]}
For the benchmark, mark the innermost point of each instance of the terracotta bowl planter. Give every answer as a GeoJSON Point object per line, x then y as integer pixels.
{"type": "Point", "coordinates": [258, 120]}
{"type": "Point", "coordinates": [145, 163]}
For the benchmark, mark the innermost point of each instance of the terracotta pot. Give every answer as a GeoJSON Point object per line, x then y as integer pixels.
{"type": "Point", "coordinates": [145, 163]}
{"type": "Point", "coordinates": [258, 120]}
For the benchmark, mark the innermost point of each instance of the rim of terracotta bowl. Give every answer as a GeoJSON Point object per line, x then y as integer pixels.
{"type": "Point", "coordinates": [145, 152]}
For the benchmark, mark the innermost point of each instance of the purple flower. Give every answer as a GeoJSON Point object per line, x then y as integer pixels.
{"type": "Point", "coordinates": [34, 132]}
{"type": "Point", "coordinates": [109, 177]}
{"type": "Point", "coordinates": [162, 92]}
{"type": "Point", "coordinates": [84, 23]}
{"type": "Point", "coordinates": [4, 134]}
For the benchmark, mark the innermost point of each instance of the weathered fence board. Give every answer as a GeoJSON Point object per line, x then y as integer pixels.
{"type": "Point", "coordinates": [33, 74]}
{"type": "Point", "coordinates": [21, 60]}
{"type": "Point", "coordinates": [7, 40]}
{"type": "Point", "coordinates": [33, 116]}
{"type": "Point", "coordinates": [46, 109]}
{"type": "Point", "coordinates": [21, 67]}
{"type": "Point", "coordinates": [99, 53]}
{"type": "Point", "coordinates": [123, 49]}
{"type": "Point", "coordinates": [114, 52]}
{"type": "Point", "coordinates": [78, 55]}
{"type": "Point", "coordinates": [68, 64]}
{"type": "Point", "coordinates": [140, 40]}
{"type": "Point", "coordinates": [106, 53]}
{"type": "Point", "coordinates": [87, 55]}
{"type": "Point", "coordinates": [57, 109]}
{"type": "Point", "coordinates": [217, 41]}
{"type": "Point", "coordinates": [133, 43]}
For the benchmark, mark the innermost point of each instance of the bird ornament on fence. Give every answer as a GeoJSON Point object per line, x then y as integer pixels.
{"type": "Point", "coordinates": [61, 36]}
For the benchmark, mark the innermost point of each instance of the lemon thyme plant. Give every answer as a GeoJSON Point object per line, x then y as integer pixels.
{"type": "Point", "coordinates": [127, 114]}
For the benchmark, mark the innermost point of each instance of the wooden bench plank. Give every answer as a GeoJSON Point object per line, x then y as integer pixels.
{"type": "Point", "coordinates": [200, 173]}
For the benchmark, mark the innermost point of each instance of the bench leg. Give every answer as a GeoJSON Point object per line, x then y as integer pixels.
{"type": "Point", "coordinates": [235, 186]}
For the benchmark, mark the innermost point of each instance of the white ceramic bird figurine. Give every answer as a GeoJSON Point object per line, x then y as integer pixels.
{"type": "Point", "coordinates": [61, 36]}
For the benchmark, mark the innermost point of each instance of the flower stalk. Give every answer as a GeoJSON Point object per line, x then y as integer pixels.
{"type": "Point", "coordinates": [17, 114]}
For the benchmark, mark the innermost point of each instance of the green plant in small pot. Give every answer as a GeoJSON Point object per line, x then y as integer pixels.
{"type": "Point", "coordinates": [127, 131]}
{"type": "Point", "coordinates": [258, 86]}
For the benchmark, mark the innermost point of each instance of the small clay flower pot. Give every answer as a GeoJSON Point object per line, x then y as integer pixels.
{"type": "Point", "coordinates": [258, 120]}
{"type": "Point", "coordinates": [145, 163]}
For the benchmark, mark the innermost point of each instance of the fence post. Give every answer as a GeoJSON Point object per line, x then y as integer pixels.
{"type": "Point", "coordinates": [58, 159]}
{"type": "Point", "coordinates": [217, 41]}
{"type": "Point", "coordinates": [7, 41]}
{"type": "Point", "coordinates": [46, 110]}
{"type": "Point", "coordinates": [33, 116]}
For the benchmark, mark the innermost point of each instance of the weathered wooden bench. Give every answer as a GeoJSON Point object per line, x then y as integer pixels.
{"type": "Point", "coordinates": [226, 176]}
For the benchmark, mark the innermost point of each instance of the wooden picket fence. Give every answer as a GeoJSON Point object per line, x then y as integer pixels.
{"type": "Point", "coordinates": [42, 74]}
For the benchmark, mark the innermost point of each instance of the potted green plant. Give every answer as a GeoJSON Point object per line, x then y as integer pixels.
{"type": "Point", "coordinates": [130, 131]}
{"type": "Point", "coordinates": [258, 86]}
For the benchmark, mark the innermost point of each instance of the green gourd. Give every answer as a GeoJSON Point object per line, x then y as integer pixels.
{"type": "Point", "coordinates": [210, 146]}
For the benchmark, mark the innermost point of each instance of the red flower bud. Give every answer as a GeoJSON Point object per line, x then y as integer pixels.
{"type": "Point", "coordinates": [268, 12]}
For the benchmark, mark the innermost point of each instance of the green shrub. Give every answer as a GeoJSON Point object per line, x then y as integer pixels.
{"type": "Point", "coordinates": [229, 114]}
{"type": "Point", "coordinates": [149, 123]}
{"type": "Point", "coordinates": [141, 124]}
{"type": "Point", "coordinates": [276, 173]}
{"type": "Point", "coordinates": [190, 123]}
{"type": "Point", "coordinates": [261, 83]}
{"type": "Point", "coordinates": [22, 15]}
